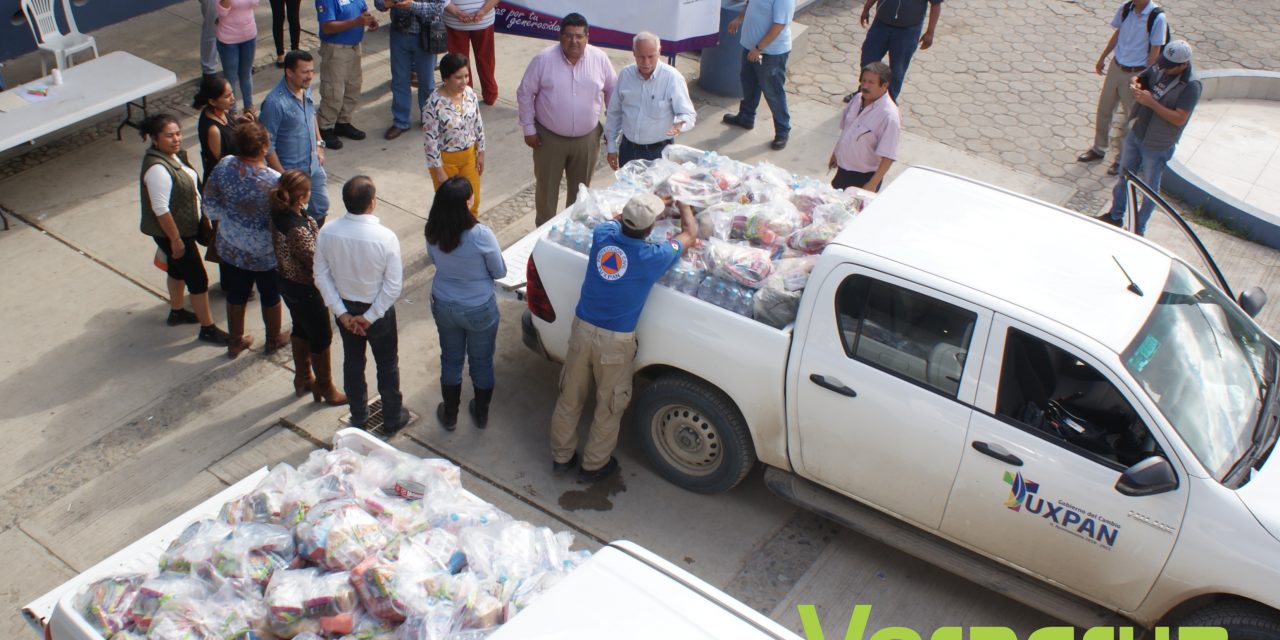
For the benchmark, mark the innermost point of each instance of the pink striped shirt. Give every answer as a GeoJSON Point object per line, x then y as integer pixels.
{"type": "Point", "coordinates": [566, 98]}
{"type": "Point", "coordinates": [236, 25]}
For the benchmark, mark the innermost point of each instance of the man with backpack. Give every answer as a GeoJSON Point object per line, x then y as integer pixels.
{"type": "Point", "coordinates": [1141, 30]}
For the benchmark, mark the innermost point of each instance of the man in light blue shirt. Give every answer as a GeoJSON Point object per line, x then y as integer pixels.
{"type": "Point", "coordinates": [650, 105]}
{"type": "Point", "coordinates": [1141, 30]}
{"type": "Point", "coordinates": [766, 43]}
{"type": "Point", "coordinates": [289, 114]}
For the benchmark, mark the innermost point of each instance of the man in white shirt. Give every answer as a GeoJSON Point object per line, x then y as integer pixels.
{"type": "Point", "coordinates": [359, 274]}
{"type": "Point", "coordinates": [650, 105]}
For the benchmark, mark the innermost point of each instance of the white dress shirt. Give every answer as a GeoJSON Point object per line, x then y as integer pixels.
{"type": "Point", "coordinates": [644, 110]}
{"type": "Point", "coordinates": [358, 259]}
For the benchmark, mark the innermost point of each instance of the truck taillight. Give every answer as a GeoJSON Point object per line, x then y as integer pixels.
{"type": "Point", "coordinates": [539, 303]}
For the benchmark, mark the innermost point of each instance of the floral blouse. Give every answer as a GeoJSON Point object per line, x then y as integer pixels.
{"type": "Point", "coordinates": [235, 196]}
{"type": "Point", "coordinates": [295, 240]}
{"type": "Point", "coordinates": [449, 128]}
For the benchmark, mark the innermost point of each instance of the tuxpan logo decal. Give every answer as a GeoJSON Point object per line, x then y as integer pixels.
{"type": "Point", "coordinates": [611, 263]}
{"type": "Point", "coordinates": [1025, 497]}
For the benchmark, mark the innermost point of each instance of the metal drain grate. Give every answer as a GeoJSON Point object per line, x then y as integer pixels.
{"type": "Point", "coordinates": [374, 423]}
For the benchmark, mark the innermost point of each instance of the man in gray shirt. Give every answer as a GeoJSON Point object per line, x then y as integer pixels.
{"type": "Point", "coordinates": [1164, 97]}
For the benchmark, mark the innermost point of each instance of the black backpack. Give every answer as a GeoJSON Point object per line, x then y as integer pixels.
{"type": "Point", "coordinates": [1151, 19]}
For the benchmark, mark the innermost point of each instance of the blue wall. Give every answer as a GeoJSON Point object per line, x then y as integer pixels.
{"type": "Point", "coordinates": [15, 39]}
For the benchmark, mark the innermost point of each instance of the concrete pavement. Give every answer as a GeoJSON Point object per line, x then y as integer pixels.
{"type": "Point", "coordinates": [116, 423]}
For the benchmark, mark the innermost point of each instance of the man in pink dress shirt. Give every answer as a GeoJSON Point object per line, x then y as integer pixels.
{"type": "Point", "coordinates": [562, 98]}
{"type": "Point", "coordinates": [869, 129]}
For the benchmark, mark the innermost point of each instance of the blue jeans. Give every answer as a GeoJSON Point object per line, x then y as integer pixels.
{"type": "Point", "coordinates": [899, 42]}
{"type": "Point", "coordinates": [466, 333]}
{"type": "Point", "coordinates": [767, 77]}
{"type": "Point", "coordinates": [237, 64]}
{"type": "Point", "coordinates": [1149, 165]}
{"type": "Point", "coordinates": [407, 56]}
{"type": "Point", "coordinates": [318, 208]}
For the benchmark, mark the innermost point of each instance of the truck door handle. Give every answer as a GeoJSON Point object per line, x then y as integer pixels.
{"type": "Point", "coordinates": [998, 452]}
{"type": "Point", "coordinates": [832, 384]}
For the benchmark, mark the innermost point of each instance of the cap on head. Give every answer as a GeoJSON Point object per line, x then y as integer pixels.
{"type": "Point", "coordinates": [641, 210]}
{"type": "Point", "coordinates": [1175, 53]}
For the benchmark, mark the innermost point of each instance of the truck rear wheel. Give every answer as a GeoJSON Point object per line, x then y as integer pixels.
{"type": "Point", "coordinates": [693, 434]}
{"type": "Point", "coordinates": [1242, 620]}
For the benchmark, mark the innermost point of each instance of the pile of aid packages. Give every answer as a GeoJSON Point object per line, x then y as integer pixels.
{"type": "Point", "coordinates": [384, 546]}
{"type": "Point", "coordinates": [760, 228]}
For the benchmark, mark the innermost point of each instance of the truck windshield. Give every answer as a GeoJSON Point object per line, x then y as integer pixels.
{"type": "Point", "coordinates": [1206, 365]}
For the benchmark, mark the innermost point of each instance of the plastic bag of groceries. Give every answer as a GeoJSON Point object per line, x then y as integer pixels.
{"type": "Point", "coordinates": [594, 206]}
{"type": "Point", "coordinates": [778, 299]}
{"type": "Point", "coordinates": [195, 546]}
{"type": "Point", "coordinates": [746, 265]}
{"type": "Point", "coordinates": [234, 612]}
{"type": "Point", "coordinates": [255, 550]}
{"type": "Point", "coordinates": [265, 503]}
{"type": "Point", "coordinates": [300, 498]}
{"type": "Point", "coordinates": [391, 582]}
{"type": "Point", "coordinates": [412, 477]}
{"type": "Point", "coordinates": [697, 188]}
{"type": "Point", "coordinates": [105, 604]}
{"type": "Point", "coordinates": [679, 153]}
{"type": "Point", "coordinates": [644, 175]}
{"type": "Point", "coordinates": [161, 591]}
{"type": "Point", "coordinates": [458, 510]}
{"type": "Point", "coordinates": [307, 600]}
{"type": "Point", "coordinates": [721, 221]}
{"type": "Point", "coordinates": [508, 551]}
{"type": "Point", "coordinates": [769, 223]}
{"type": "Point", "coordinates": [339, 535]}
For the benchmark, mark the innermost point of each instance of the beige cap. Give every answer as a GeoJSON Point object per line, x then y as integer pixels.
{"type": "Point", "coordinates": [641, 210]}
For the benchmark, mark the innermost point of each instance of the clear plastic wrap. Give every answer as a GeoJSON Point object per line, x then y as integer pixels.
{"type": "Point", "coordinates": [698, 188]}
{"type": "Point", "coordinates": [195, 546]}
{"type": "Point", "coordinates": [339, 535]}
{"type": "Point", "coordinates": [769, 223]}
{"type": "Point", "coordinates": [594, 206]}
{"type": "Point", "coordinates": [254, 550]}
{"type": "Point", "coordinates": [162, 590]}
{"type": "Point", "coordinates": [778, 299]}
{"type": "Point", "coordinates": [644, 175]}
{"type": "Point", "coordinates": [722, 221]}
{"type": "Point", "coordinates": [300, 498]}
{"type": "Point", "coordinates": [412, 477]}
{"type": "Point", "coordinates": [746, 265]}
{"type": "Point", "coordinates": [679, 153]}
{"type": "Point", "coordinates": [458, 510]}
{"type": "Point", "coordinates": [266, 502]}
{"type": "Point", "coordinates": [306, 600]}
{"type": "Point", "coordinates": [105, 603]}
{"type": "Point", "coordinates": [389, 583]}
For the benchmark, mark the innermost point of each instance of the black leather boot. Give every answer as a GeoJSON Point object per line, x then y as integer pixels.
{"type": "Point", "coordinates": [480, 407]}
{"type": "Point", "coordinates": [447, 411]}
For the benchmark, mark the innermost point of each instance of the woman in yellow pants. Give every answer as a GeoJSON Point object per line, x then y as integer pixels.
{"type": "Point", "coordinates": [452, 130]}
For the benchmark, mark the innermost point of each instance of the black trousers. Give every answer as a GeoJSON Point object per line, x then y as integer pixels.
{"type": "Point", "coordinates": [382, 338]}
{"type": "Point", "coordinates": [628, 151]}
{"type": "Point", "coordinates": [280, 9]}
{"type": "Point", "coordinates": [845, 179]}
{"type": "Point", "coordinates": [309, 315]}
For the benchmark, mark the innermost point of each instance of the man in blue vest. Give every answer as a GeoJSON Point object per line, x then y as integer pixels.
{"type": "Point", "coordinates": [621, 270]}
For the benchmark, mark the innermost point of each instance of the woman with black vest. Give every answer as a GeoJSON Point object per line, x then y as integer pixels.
{"type": "Point", "coordinates": [171, 210]}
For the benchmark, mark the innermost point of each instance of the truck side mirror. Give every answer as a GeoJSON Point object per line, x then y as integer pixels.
{"type": "Point", "coordinates": [1147, 478]}
{"type": "Point", "coordinates": [1253, 300]}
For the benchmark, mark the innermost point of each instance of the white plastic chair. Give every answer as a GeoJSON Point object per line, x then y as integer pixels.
{"type": "Point", "coordinates": [44, 28]}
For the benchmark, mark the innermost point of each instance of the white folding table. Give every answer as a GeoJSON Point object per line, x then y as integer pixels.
{"type": "Point", "coordinates": [88, 89]}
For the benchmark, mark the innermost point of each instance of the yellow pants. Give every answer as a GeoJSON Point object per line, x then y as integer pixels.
{"type": "Point", "coordinates": [462, 163]}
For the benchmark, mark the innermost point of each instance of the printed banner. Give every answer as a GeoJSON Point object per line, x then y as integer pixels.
{"type": "Point", "coordinates": [683, 25]}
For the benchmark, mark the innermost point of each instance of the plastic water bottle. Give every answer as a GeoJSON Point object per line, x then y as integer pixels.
{"type": "Point", "coordinates": [581, 241]}
{"type": "Point", "coordinates": [555, 233]}
{"type": "Point", "coordinates": [748, 302]}
{"type": "Point", "coordinates": [720, 294]}
{"type": "Point", "coordinates": [706, 290]}
{"type": "Point", "coordinates": [733, 298]}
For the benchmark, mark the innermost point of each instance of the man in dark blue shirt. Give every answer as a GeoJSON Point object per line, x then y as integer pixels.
{"type": "Point", "coordinates": [621, 270]}
{"type": "Point", "coordinates": [896, 32]}
{"type": "Point", "coordinates": [342, 27]}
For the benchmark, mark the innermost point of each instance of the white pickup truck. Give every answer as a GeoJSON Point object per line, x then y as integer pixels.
{"type": "Point", "coordinates": [1060, 410]}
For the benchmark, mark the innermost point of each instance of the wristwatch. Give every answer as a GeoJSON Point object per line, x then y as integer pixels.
{"type": "Point", "coordinates": [321, 144]}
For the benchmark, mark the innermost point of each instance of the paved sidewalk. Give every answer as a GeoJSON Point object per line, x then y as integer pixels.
{"type": "Point", "coordinates": [116, 423]}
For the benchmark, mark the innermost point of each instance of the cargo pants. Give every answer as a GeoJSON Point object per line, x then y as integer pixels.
{"type": "Point", "coordinates": [604, 357]}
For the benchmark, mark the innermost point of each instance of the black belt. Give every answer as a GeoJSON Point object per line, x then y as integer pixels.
{"type": "Point", "coordinates": [646, 147]}
{"type": "Point", "coordinates": [1130, 69]}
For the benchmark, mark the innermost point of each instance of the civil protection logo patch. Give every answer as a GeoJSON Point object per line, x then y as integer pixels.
{"type": "Point", "coordinates": [611, 263]}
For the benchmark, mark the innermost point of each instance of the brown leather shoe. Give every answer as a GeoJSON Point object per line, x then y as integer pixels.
{"type": "Point", "coordinates": [1090, 156]}
{"type": "Point", "coordinates": [393, 132]}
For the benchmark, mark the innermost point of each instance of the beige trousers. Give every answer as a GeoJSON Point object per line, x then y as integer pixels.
{"type": "Point", "coordinates": [340, 83]}
{"type": "Point", "coordinates": [1108, 132]}
{"type": "Point", "coordinates": [604, 357]}
{"type": "Point", "coordinates": [573, 158]}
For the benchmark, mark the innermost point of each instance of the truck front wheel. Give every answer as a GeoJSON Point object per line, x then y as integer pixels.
{"type": "Point", "coordinates": [693, 434]}
{"type": "Point", "coordinates": [1242, 620]}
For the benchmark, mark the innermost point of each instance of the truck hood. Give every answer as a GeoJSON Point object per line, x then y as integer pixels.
{"type": "Point", "coordinates": [1262, 494]}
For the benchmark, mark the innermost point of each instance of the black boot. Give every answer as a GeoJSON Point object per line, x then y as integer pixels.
{"type": "Point", "coordinates": [480, 407]}
{"type": "Point", "coordinates": [447, 411]}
